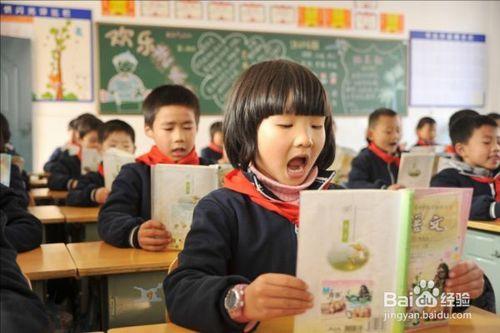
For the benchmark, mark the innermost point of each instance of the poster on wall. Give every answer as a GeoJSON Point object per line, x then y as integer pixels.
{"type": "Point", "coordinates": [155, 8]}
{"type": "Point", "coordinates": [61, 50]}
{"type": "Point", "coordinates": [118, 7]}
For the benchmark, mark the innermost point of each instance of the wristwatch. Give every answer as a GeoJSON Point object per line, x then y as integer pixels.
{"type": "Point", "coordinates": [234, 301]}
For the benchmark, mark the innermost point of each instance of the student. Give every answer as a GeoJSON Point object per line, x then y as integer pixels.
{"type": "Point", "coordinates": [454, 117]}
{"type": "Point", "coordinates": [22, 230]}
{"type": "Point", "coordinates": [171, 114]}
{"type": "Point", "coordinates": [90, 190]}
{"type": "Point", "coordinates": [426, 132]}
{"type": "Point", "coordinates": [65, 171]}
{"type": "Point", "coordinates": [476, 142]}
{"type": "Point", "coordinates": [72, 142]}
{"type": "Point", "coordinates": [495, 116]}
{"type": "Point", "coordinates": [278, 135]}
{"type": "Point", "coordinates": [377, 165]}
{"type": "Point", "coordinates": [214, 150]}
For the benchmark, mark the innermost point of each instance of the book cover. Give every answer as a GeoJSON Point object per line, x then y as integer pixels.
{"type": "Point", "coordinates": [439, 224]}
{"type": "Point", "coordinates": [352, 249]}
{"type": "Point", "coordinates": [5, 163]}
{"type": "Point", "coordinates": [175, 191]}
{"type": "Point", "coordinates": [417, 169]}
{"type": "Point", "coordinates": [90, 160]}
{"type": "Point", "coordinates": [113, 160]}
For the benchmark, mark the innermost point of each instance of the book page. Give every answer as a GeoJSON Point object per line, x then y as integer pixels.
{"type": "Point", "coordinates": [352, 249]}
{"type": "Point", "coordinates": [175, 191]}
{"type": "Point", "coordinates": [5, 163]}
{"type": "Point", "coordinates": [416, 169]}
{"type": "Point", "coordinates": [113, 160]}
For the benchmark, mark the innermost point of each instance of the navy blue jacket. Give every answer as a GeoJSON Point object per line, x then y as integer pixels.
{"type": "Point", "coordinates": [232, 240]}
{"type": "Point", "coordinates": [82, 194]}
{"type": "Point", "coordinates": [128, 205]}
{"type": "Point", "coordinates": [54, 157]}
{"type": "Point", "coordinates": [22, 230]}
{"type": "Point", "coordinates": [65, 169]}
{"type": "Point", "coordinates": [482, 199]}
{"type": "Point", "coordinates": [211, 155]}
{"type": "Point", "coordinates": [370, 171]}
{"type": "Point", "coordinates": [18, 185]}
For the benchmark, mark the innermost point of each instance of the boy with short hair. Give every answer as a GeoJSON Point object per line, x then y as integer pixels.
{"type": "Point", "coordinates": [171, 114]}
{"type": "Point", "coordinates": [454, 117]}
{"type": "Point", "coordinates": [377, 165]}
{"type": "Point", "coordinates": [65, 171]}
{"type": "Point", "coordinates": [476, 141]}
{"type": "Point", "coordinates": [426, 132]}
{"type": "Point", "coordinates": [90, 190]}
{"type": "Point", "coordinates": [214, 151]}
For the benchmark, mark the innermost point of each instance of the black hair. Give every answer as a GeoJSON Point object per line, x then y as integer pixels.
{"type": "Point", "coordinates": [169, 94]}
{"type": "Point", "coordinates": [459, 114]}
{"type": "Point", "coordinates": [4, 131]}
{"type": "Point", "coordinates": [425, 121]}
{"type": "Point", "coordinates": [73, 124]}
{"type": "Point", "coordinates": [378, 113]}
{"type": "Point", "coordinates": [214, 128]}
{"type": "Point", "coordinates": [87, 123]}
{"type": "Point", "coordinates": [112, 126]}
{"type": "Point", "coordinates": [270, 88]}
{"type": "Point", "coordinates": [493, 115]}
{"type": "Point", "coordinates": [463, 129]}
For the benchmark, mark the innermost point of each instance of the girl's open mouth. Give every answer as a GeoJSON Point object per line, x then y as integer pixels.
{"type": "Point", "coordinates": [296, 167]}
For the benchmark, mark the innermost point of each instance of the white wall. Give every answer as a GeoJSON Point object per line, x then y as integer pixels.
{"type": "Point", "coordinates": [50, 118]}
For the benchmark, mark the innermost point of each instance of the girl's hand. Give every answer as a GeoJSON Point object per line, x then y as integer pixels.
{"type": "Point", "coordinates": [276, 295]}
{"type": "Point", "coordinates": [153, 236]}
{"type": "Point", "coordinates": [101, 194]}
{"type": "Point", "coordinates": [466, 277]}
{"type": "Point", "coordinates": [395, 187]}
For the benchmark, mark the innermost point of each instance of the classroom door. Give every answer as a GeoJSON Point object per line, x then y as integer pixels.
{"type": "Point", "coordinates": [16, 94]}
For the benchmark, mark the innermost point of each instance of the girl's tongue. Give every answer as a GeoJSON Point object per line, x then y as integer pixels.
{"type": "Point", "coordinates": [296, 167]}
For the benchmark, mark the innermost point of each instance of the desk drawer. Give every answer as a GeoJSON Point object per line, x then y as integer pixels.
{"type": "Point", "coordinates": [482, 244]}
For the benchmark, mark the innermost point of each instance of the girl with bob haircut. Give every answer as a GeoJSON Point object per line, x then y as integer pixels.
{"type": "Point", "coordinates": [239, 259]}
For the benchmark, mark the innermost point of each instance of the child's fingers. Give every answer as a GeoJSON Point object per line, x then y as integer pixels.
{"type": "Point", "coordinates": [154, 233]}
{"type": "Point", "coordinates": [155, 248]}
{"type": "Point", "coordinates": [288, 293]}
{"type": "Point", "coordinates": [284, 280]}
{"type": "Point", "coordinates": [154, 241]}
{"type": "Point", "coordinates": [461, 268]}
{"type": "Point", "coordinates": [474, 288]}
{"type": "Point", "coordinates": [285, 303]}
{"type": "Point", "coordinates": [469, 276]}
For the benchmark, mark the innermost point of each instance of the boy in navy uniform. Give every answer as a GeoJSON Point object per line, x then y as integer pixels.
{"type": "Point", "coordinates": [214, 150]}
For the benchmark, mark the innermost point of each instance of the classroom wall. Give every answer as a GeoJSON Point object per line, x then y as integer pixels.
{"type": "Point", "coordinates": [50, 118]}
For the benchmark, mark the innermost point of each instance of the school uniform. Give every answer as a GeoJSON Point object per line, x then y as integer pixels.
{"type": "Point", "coordinates": [22, 230]}
{"type": "Point", "coordinates": [66, 169]}
{"type": "Point", "coordinates": [18, 185]}
{"type": "Point", "coordinates": [129, 203]}
{"type": "Point", "coordinates": [54, 157]}
{"type": "Point", "coordinates": [485, 185]}
{"type": "Point", "coordinates": [235, 237]}
{"type": "Point", "coordinates": [21, 309]}
{"type": "Point", "coordinates": [373, 168]}
{"type": "Point", "coordinates": [212, 153]}
{"type": "Point", "coordinates": [84, 192]}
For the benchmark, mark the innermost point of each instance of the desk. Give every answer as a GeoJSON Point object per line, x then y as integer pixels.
{"type": "Point", "coordinates": [481, 321]}
{"type": "Point", "coordinates": [47, 214]}
{"type": "Point", "coordinates": [86, 217]}
{"type": "Point", "coordinates": [130, 281]}
{"type": "Point", "coordinates": [36, 182]}
{"type": "Point", "coordinates": [493, 226]}
{"type": "Point", "coordinates": [45, 193]}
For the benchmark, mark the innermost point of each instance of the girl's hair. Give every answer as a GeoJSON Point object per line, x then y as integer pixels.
{"type": "Point", "coordinates": [273, 88]}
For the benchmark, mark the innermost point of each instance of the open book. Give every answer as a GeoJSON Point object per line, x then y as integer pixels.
{"type": "Point", "coordinates": [90, 160]}
{"type": "Point", "coordinates": [417, 169]}
{"type": "Point", "coordinates": [113, 160]}
{"type": "Point", "coordinates": [5, 163]}
{"type": "Point", "coordinates": [175, 191]}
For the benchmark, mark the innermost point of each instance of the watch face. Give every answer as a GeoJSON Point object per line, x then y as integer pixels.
{"type": "Point", "coordinates": [231, 299]}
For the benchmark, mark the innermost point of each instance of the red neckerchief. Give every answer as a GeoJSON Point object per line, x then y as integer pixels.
{"type": "Point", "coordinates": [421, 142]}
{"type": "Point", "coordinates": [490, 180]}
{"type": "Point", "coordinates": [100, 169]}
{"type": "Point", "coordinates": [450, 149]}
{"type": "Point", "coordinates": [215, 148]}
{"type": "Point", "coordinates": [236, 181]}
{"type": "Point", "coordinates": [79, 154]}
{"type": "Point", "coordinates": [155, 156]}
{"type": "Point", "coordinates": [386, 157]}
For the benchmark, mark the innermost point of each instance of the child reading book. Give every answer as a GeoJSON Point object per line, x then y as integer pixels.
{"type": "Point", "coordinates": [214, 150]}
{"type": "Point", "coordinates": [426, 132]}
{"type": "Point", "coordinates": [449, 149]}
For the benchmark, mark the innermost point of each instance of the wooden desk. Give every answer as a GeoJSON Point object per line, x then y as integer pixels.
{"type": "Point", "coordinates": [80, 214]}
{"type": "Point", "coordinates": [493, 226]}
{"type": "Point", "coordinates": [49, 261]}
{"type": "Point", "coordinates": [481, 321]}
{"type": "Point", "coordinates": [47, 214]}
{"type": "Point", "coordinates": [45, 193]}
{"type": "Point", "coordinates": [38, 182]}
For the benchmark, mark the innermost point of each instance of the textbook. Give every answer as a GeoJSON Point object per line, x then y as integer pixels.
{"type": "Point", "coordinates": [342, 164]}
{"type": "Point", "coordinates": [175, 191]}
{"type": "Point", "coordinates": [353, 246]}
{"type": "Point", "coordinates": [363, 253]}
{"type": "Point", "coordinates": [439, 225]}
{"type": "Point", "coordinates": [417, 169]}
{"type": "Point", "coordinates": [113, 160]}
{"type": "Point", "coordinates": [438, 149]}
{"type": "Point", "coordinates": [5, 163]}
{"type": "Point", "coordinates": [90, 160]}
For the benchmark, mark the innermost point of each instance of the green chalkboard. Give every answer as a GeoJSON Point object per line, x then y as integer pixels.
{"type": "Point", "coordinates": [358, 74]}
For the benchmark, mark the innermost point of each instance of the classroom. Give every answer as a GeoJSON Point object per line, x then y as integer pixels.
{"type": "Point", "coordinates": [159, 160]}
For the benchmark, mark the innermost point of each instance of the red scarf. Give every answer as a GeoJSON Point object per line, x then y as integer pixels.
{"type": "Point", "coordinates": [450, 149]}
{"type": "Point", "coordinates": [215, 148]}
{"type": "Point", "coordinates": [386, 157]}
{"type": "Point", "coordinates": [155, 156]}
{"type": "Point", "coordinates": [421, 142]}
{"type": "Point", "coordinates": [100, 169]}
{"type": "Point", "coordinates": [490, 180]}
{"type": "Point", "coordinates": [236, 181]}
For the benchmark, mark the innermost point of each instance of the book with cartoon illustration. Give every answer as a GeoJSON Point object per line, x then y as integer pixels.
{"type": "Point", "coordinates": [5, 163]}
{"type": "Point", "coordinates": [113, 160]}
{"type": "Point", "coordinates": [90, 160]}
{"type": "Point", "coordinates": [352, 248]}
{"type": "Point", "coordinates": [417, 169]}
{"type": "Point", "coordinates": [438, 227]}
{"type": "Point", "coordinates": [175, 191]}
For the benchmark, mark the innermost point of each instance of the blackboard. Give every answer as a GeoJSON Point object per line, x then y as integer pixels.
{"type": "Point", "coordinates": [358, 74]}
